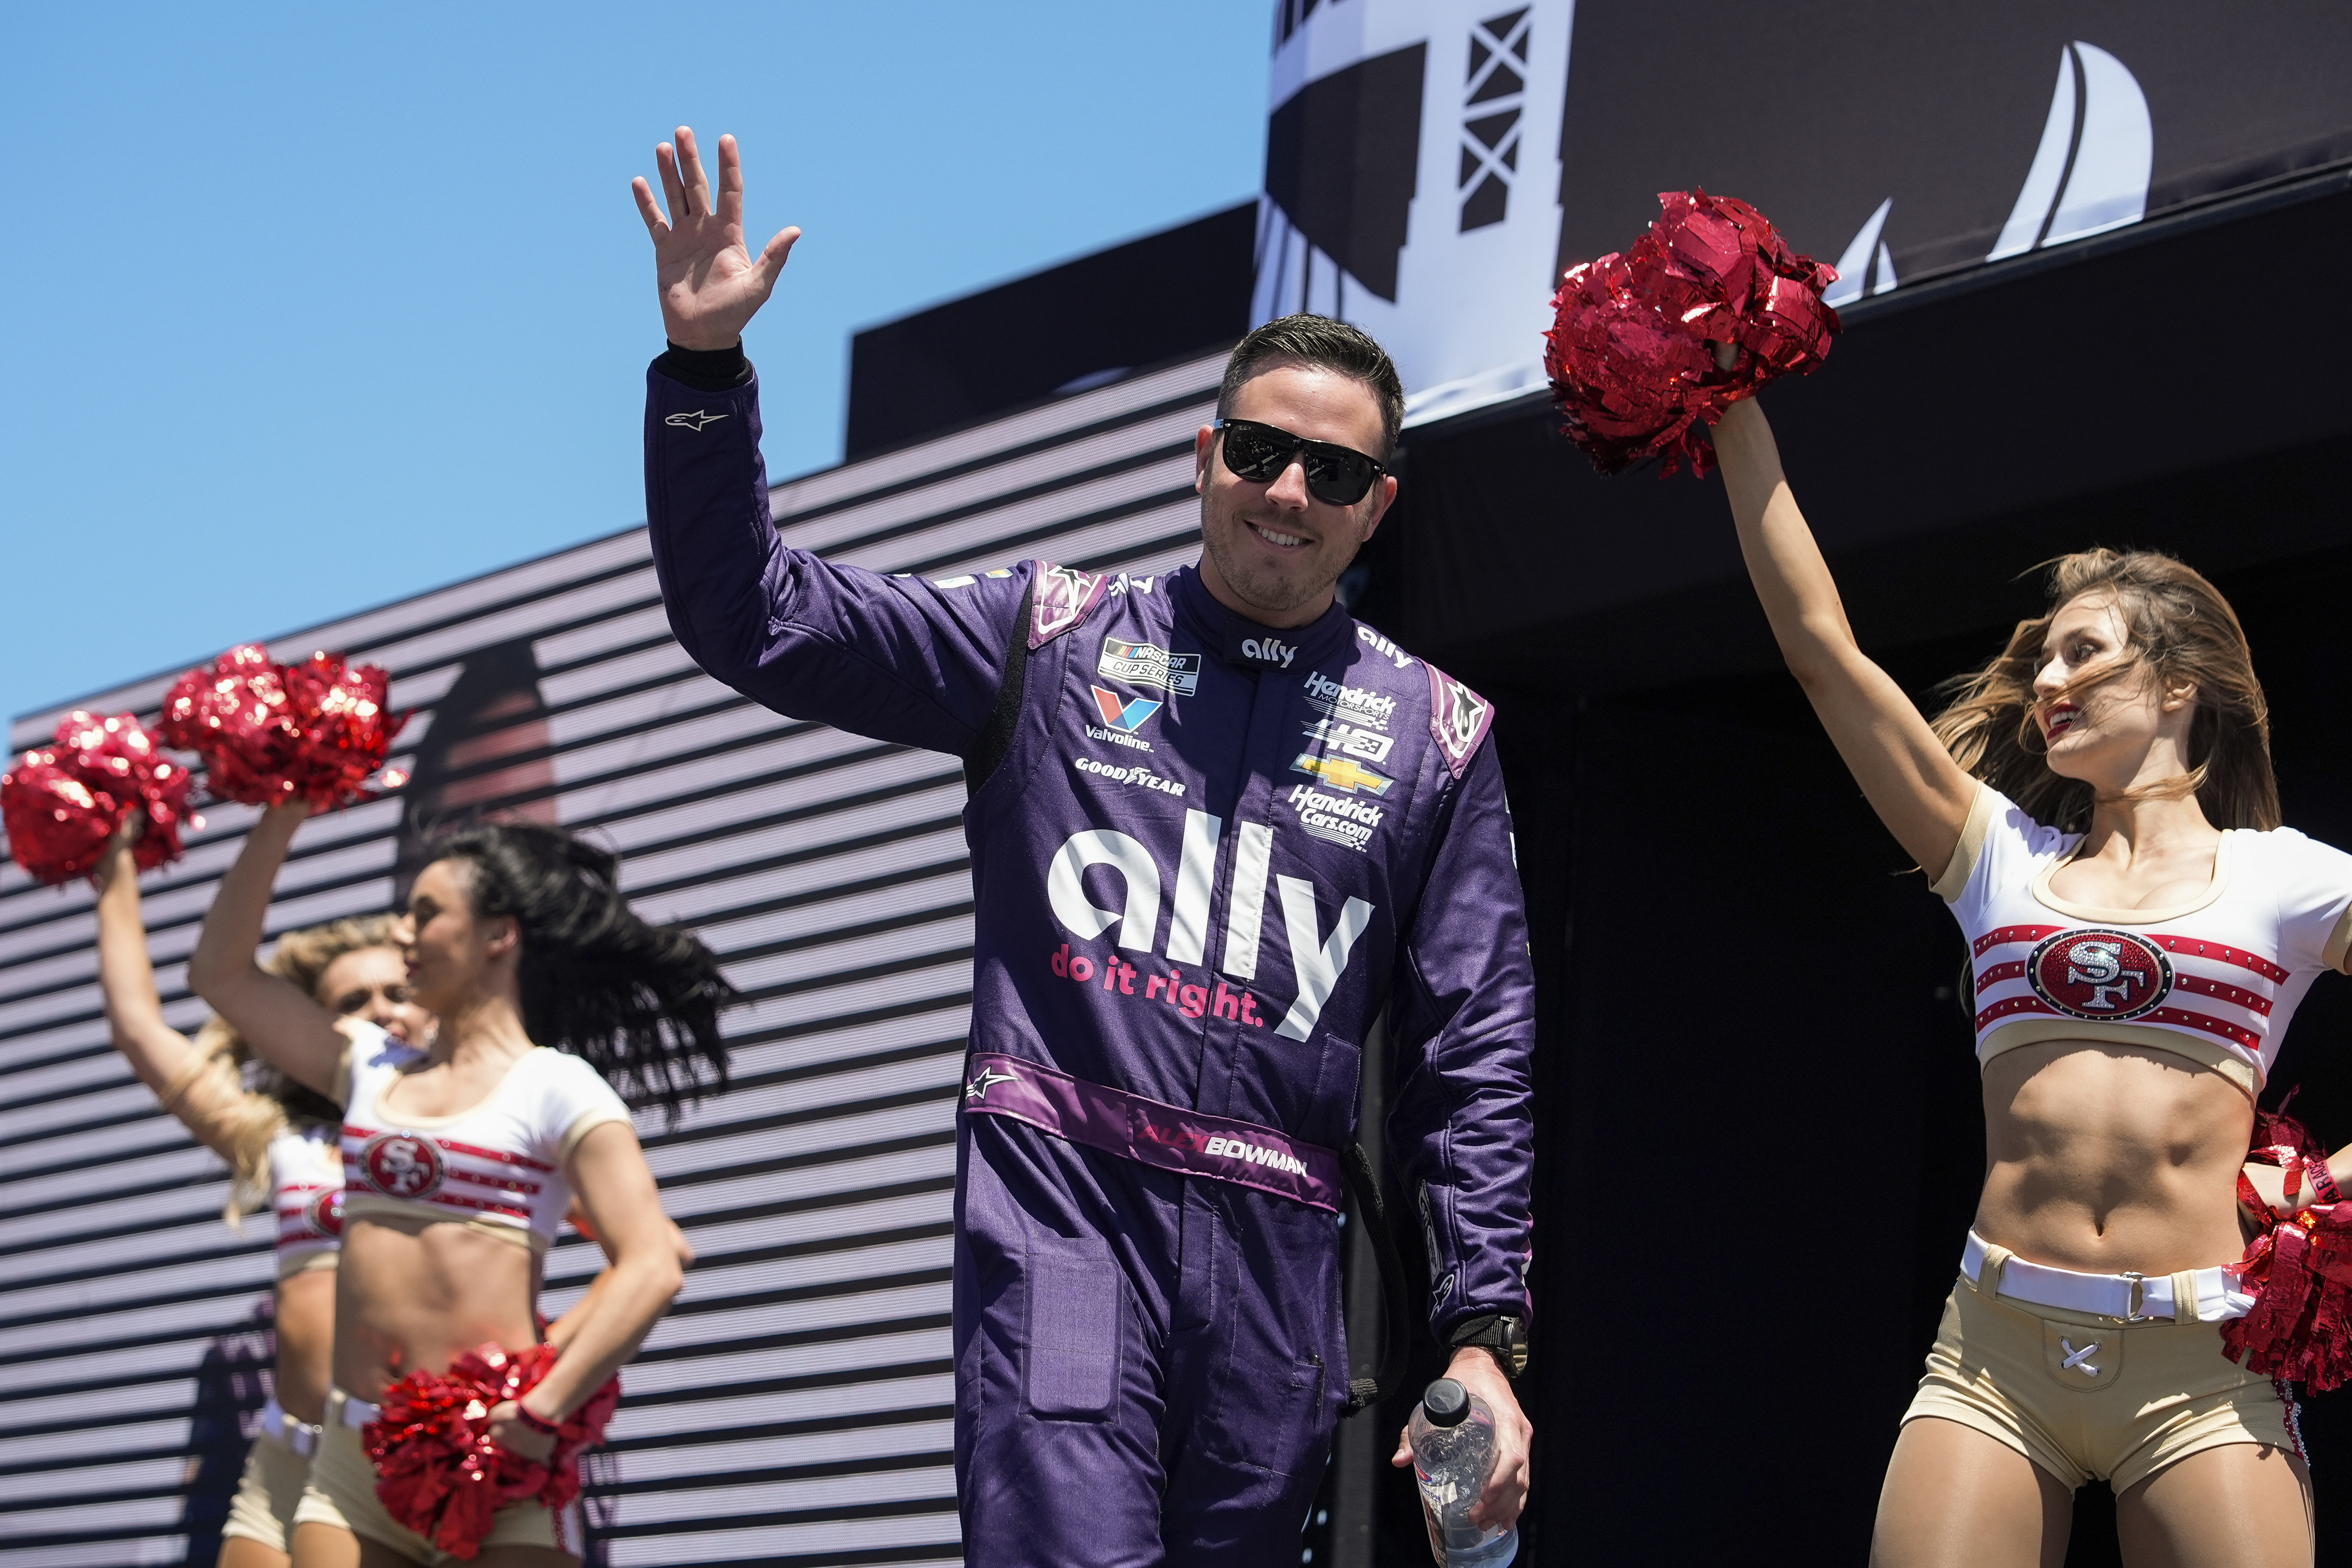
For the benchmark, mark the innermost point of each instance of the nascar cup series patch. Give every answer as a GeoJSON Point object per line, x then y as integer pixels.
{"type": "Point", "coordinates": [2103, 974]}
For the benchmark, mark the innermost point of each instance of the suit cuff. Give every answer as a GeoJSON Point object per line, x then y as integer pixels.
{"type": "Point", "coordinates": [706, 370]}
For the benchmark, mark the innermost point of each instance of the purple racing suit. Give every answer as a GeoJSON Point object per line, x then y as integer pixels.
{"type": "Point", "coordinates": [1207, 855]}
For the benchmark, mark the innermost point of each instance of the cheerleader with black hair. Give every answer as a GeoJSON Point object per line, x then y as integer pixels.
{"type": "Point", "coordinates": [278, 1140]}
{"type": "Point", "coordinates": [559, 1008]}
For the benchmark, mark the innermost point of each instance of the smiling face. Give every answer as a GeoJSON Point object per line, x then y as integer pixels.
{"type": "Point", "coordinates": [455, 957]}
{"type": "Point", "coordinates": [372, 983]}
{"type": "Point", "coordinates": [1272, 551]}
{"type": "Point", "coordinates": [2099, 710]}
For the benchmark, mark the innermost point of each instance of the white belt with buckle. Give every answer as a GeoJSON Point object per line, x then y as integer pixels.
{"type": "Point", "coordinates": [356, 1412]}
{"type": "Point", "coordinates": [298, 1435]}
{"type": "Point", "coordinates": [2133, 1298]}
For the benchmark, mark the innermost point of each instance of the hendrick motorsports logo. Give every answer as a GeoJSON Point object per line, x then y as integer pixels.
{"type": "Point", "coordinates": [1335, 818]}
{"type": "Point", "coordinates": [2095, 974]}
{"type": "Point", "coordinates": [1141, 663]}
{"type": "Point", "coordinates": [1348, 704]}
{"type": "Point", "coordinates": [402, 1165]}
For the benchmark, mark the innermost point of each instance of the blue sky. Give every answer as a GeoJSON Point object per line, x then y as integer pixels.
{"type": "Point", "coordinates": [311, 307]}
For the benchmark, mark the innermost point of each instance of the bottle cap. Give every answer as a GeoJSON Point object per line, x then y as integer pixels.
{"type": "Point", "coordinates": [1446, 1403]}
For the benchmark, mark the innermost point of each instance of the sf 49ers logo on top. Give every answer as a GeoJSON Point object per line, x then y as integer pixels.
{"type": "Point", "coordinates": [325, 1212]}
{"type": "Point", "coordinates": [2096, 973]}
{"type": "Point", "coordinates": [402, 1165]}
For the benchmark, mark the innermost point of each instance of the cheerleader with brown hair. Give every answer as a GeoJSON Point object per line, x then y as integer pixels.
{"type": "Point", "coordinates": [2097, 809]}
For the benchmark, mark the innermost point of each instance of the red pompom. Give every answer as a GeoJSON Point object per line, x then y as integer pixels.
{"type": "Point", "coordinates": [438, 1471]}
{"type": "Point", "coordinates": [63, 803]}
{"type": "Point", "coordinates": [2300, 1274]}
{"type": "Point", "coordinates": [271, 733]}
{"type": "Point", "coordinates": [1631, 356]}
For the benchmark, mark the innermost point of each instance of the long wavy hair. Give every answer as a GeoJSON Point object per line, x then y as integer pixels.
{"type": "Point", "coordinates": [638, 1002]}
{"type": "Point", "coordinates": [2182, 633]}
{"type": "Point", "coordinates": [263, 1102]}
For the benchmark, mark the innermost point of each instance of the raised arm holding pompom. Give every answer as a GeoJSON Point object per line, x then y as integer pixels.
{"type": "Point", "coordinates": [2097, 809]}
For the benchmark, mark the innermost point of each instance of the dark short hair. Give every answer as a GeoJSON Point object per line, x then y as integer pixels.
{"type": "Point", "coordinates": [1327, 344]}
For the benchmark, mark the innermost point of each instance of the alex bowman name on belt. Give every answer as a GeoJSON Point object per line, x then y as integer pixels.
{"type": "Point", "coordinates": [1151, 1131]}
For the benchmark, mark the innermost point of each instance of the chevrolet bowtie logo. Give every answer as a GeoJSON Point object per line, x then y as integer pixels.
{"type": "Point", "coordinates": [694, 421]}
{"type": "Point", "coordinates": [978, 1088]}
{"type": "Point", "coordinates": [1343, 773]}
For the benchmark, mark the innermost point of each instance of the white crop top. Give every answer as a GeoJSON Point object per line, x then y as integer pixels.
{"type": "Point", "coordinates": [498, 1167]}
{"type": "Point", "coordinates": [306, 1187]}
{"type": "Point", "coordinates": [2215, 979]}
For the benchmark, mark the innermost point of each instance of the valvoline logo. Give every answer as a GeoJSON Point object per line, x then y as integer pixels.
{"type": "Point", "coordinates": [1125, 714]}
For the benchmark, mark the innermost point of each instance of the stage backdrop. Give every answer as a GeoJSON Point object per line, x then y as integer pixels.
{"type": "Point", "coordinates": [796, 1404]}
{"type": "Point", "coordinates": [1433, 164]}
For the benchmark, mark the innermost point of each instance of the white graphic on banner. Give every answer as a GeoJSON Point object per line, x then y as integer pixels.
{"type": "Point", "coordinates": [2106, 163]}
{"type": "Point", "coordinates": [1494, 101]}
{"type": "Point", "coordinates": [1413, 179]}
{"type": "Point", "coordinates": [1852, 265]}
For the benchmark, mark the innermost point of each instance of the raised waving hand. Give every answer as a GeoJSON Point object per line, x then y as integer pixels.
{"type": "Point", "coordinates": [710, 284]}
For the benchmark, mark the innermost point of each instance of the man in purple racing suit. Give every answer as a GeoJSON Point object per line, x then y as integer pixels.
{"type": "Point", "coordinates": [1217, 826]}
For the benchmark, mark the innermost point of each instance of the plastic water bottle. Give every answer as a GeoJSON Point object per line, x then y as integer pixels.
{"type": "Point", "coordinates": [1453, 1438]}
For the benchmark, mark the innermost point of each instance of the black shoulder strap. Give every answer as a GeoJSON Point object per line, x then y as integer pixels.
{"type": "Point", "coordinates": [995, 742]}
{"type": "Point", "coordinates": [1372, 1213]}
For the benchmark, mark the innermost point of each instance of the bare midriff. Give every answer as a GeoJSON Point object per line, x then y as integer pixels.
{"type": "Point", "coordinates": [2109, 1159]}
{"type": "Point", "coordinates": [417, 1293]}
{"type": "Point", "coordinates": [306, 1343]}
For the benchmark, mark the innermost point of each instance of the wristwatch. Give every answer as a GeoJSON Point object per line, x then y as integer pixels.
{"type": "Point", "coordinates": [1502, 1336]}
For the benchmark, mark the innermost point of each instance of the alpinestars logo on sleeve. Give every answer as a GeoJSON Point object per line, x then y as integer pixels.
{"type": "Point", "coordinates": [1060, 597]}
{"type": "Point", "coordinates": [694, 421]}
{"type": "Point", "coordinates": [1458, 718]}
{"type": "Point", "coordinates": [977, 1089]}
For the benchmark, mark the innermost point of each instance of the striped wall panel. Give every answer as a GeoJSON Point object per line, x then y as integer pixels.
{"type": "Point", "coordinates": [795, 1405]}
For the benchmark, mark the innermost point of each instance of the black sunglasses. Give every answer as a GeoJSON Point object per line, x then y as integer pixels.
{"type": "Point", "coordinates": [1336, 475]}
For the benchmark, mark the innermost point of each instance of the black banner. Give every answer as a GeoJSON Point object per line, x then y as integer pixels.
{"type": "Point", "coordinates": [1916, 139]}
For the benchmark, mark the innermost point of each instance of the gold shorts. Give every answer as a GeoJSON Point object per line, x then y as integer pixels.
{"type": "Point", "coordinates": [263, 1509]}
{"type": "Point", "coordinates": [2085, 1397]}
{"type": "Point", "coordinates": [342, 1493]}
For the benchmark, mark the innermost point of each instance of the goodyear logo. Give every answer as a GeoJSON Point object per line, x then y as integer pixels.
{"type": "Point", "coordinates": [1342, 774]}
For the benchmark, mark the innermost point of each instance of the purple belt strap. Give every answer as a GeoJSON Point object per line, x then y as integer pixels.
{"type": "Point", "coordinates": [1151, 1131]}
